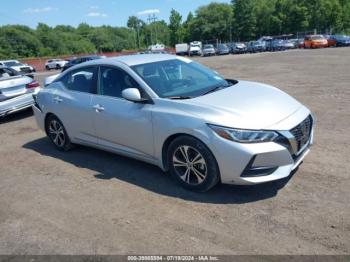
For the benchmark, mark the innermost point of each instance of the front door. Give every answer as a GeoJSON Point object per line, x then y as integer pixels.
{"type": "Point", "coordinates": [121, 125]}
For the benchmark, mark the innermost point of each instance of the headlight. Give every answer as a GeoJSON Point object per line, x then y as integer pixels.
{"type": "Point", "coordinates": [244, 136]}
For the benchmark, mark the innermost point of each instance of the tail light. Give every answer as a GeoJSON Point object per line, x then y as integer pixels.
{"type": "Point", "coordinates": [32, 84]}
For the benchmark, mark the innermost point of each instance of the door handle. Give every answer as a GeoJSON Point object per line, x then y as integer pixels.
{"type": "Point", "coordinates": [57, 99]}
{"type": "Point", "coordinates": [98, 108]}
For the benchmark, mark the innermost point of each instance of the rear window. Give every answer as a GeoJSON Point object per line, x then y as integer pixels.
{"type": "Point", "coordinates": [81, 80]}
{"type": "Point", "coordinates": [317, 37]}
{"type": "Point", "coordinates": [6, 72]}
{"type": "Point", "coordinates": [12, 63]}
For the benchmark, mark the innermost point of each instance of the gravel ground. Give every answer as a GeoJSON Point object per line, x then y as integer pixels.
{"type": "Point", "coordinates": [91, 202]}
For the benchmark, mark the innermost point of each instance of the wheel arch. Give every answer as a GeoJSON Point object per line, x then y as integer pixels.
{"type": "Point", "coordinates": [170, 139]}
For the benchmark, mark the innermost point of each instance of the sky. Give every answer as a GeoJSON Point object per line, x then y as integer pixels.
{"type": "Point", "coordinates": [93, 12]}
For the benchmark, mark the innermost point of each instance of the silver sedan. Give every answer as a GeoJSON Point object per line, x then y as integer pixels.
{"type": "Point", "coordinates": [179, 115]}
{"type": "Point", "coordinates": [16, 91]}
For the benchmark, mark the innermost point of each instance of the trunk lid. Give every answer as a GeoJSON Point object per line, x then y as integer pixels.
{"type": "Point", "coordinates": [13, 86]}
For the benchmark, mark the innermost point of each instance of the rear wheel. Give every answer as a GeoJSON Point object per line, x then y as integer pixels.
{"type": "Point", "coordinates": [192, 164]}
{"type": "Point", "coordinates": [47, 68]}
{"type": "Point", "coordinates": [58, 134]}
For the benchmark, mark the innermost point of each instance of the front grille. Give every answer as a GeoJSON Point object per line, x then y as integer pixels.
{"type": "Point", "coordinates": [302, 133]}
{"type": "Point", "coordinates": [25, 69]}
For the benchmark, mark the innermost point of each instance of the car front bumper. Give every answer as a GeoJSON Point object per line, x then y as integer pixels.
{"type": "Point", "coordinates": [255, 163]}
{"type": "Point", "coordinates": [208, 53]}
{"type": "Point", "coordinates": [17, 103]}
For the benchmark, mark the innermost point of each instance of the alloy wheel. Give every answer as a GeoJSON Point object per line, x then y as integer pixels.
{"type": "Point", "coordinates": [56, 133]}
{"type": "Point", "coordinates": [189, 165]}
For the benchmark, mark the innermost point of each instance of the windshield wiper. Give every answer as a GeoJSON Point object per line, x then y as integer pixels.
{"type": "Point", "coordinates": [216, 89]}
{"type": "Point", "coordinates": [179, 97]}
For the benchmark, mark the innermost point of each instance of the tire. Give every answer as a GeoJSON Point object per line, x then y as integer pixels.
{"type": "Point", "coordinates": [48, 68]}
{"type": "Point", "coordinates": [200, 172]}
{"type": "Point", "coordinates": [58, 67]}
{"type": "Point", "coordinates": [57, 134]}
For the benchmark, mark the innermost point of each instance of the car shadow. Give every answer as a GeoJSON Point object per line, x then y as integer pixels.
{"type": "Point", "coordinates": [17, 116]}
{"type": "Point", "coordinates": [110, 166]}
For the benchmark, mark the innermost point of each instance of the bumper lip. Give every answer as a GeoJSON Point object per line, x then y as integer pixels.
{"type": "Point", "coordinates": [16, 104]}
{"type": "Point", "coordinates": [15, 109]}
{"type": "Point", "coordinates": [280, 173]}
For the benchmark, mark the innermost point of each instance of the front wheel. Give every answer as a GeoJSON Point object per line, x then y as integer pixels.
{"type": "Point", "coordinates": [192, 164]}
{"type": "Point", "coordinates": [58, 134]}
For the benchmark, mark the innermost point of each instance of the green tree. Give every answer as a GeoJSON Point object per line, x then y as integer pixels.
{"type": "Point", "coordinates": [245, 19]}
{"type": "Point", "coordinates": [176, 28]}
{"type": "Point", "coordinates": [213, 21]}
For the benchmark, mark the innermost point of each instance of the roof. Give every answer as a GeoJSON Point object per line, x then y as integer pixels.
{"type": "Point", "coordinates": [138, 59]}
{"type": "Point", "coordinates": [6, 61]}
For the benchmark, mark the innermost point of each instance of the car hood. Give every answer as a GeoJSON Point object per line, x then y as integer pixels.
{"type": "Point", "coordinates": [246, 105]}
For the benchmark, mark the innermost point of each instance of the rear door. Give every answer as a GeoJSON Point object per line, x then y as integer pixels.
{"type": "Point", "coordinates": [72, 103]}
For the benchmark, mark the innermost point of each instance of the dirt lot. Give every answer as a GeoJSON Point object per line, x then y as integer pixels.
{"type": "Point", "coordinates": [91, 202]}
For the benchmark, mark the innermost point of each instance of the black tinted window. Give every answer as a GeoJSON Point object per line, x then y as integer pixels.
{"type": "Point", "coordinates": [82, 80]}
{"type": "Point", "coordinates": [113, 81]}
{"type": "Point", "coordinates": [6, 72]}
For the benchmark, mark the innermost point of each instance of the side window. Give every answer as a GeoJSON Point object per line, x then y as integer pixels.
{"type": "Point", "coordinates": [82, 80]}
{"type": "Point", "coordinates": [113, 81]}
{"type": "Point", "coordinates": [5, 72]}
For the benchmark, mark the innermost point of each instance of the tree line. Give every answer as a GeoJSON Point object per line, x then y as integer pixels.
{"type": "Point", "coordinates": [240, 20]}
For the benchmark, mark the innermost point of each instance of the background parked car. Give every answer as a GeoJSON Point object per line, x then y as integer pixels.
{"type": "Point", "coordinates": [195, 48]}
{"type": "Point", "coordinates": [208, 50]}
{"type": "Point", "coordinates": [315, 41]}
{"type": "Point", "coordinates": [181, 49]}
{"type": "Point", "coordinates": [55, 64]}
{"type": "Point", "coordinates": [331, 41]}
{"type": "Point", "coordinates": [18, 66]}
{"type": "Point", "coordinates": [80, 60]}
{"type": "Point", "coordinates": [222, 49]}
{"type": "Point", "coordinates": [238, 48]}
{"type": "Point", "coordinates": [288, 44]}
{"type": "Point", "coordinates": [339, 40]}
{"type": "Point", "coordinates": [257, 46]}
{"type": "Point", "coordinates": [295, 42]}
{"type": "Point", "coordinates": [273, 45]}
{"type": "Point", "coordinates": [301, 43]}
{"type": "Point", "coordinates": [16, 91]}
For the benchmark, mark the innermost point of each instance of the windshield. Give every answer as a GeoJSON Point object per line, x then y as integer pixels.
{"type": "Point", "coordinates": [12, 63]}
{"type": "Point", "coordinates": [342, 37]}
{"type": "Point", "coordinates": [177, 78]}
{"type": "Point", "coordinates": [208, 47]}
{"type": "Point", "coordinates": [317, 37]}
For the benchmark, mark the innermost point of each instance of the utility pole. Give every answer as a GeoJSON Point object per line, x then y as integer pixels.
{"type": "Point", "coordinates": [138, 33]}
{"type": "Point", "coordinates": [152, 18]}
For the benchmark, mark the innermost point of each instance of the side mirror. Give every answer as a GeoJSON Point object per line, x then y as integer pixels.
{"type": "Point", "coordinates": [132, 94]}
